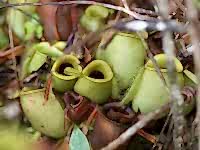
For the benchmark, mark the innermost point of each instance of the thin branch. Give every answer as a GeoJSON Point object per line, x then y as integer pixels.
{"type": "Point", "coordinates": [175, 94]}
{"type": "Point", "coordinates": [144, 11]}
{"type": "Point", "coordinates": [192, 16]}
{"type": "Point", "coordinates": [147, 136]}
{"type": "Point", "coordinates": [152, 59]}
{"type": "Point", "coordinates": [162, 130]}
{"type": "Point", "coordinates": [180, 5]}
{"type": "Point", "coordinates": [131, 13]}
{"type": "Point", "coordinates": [10, 34]}
{"type": "Point", "coordinates": [11, 41]}
{"type": "Point", "coordinates": [125, 4]}
{"type": "Point", "coordinates": [134, 128]}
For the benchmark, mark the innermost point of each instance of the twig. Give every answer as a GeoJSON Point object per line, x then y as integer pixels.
{"type": "Point", "coordinates": [152, 59]}
{"type": "Point", "coordinates": [14, 50]}
{"type": "Point", "coordinates": [134, 128]}
{"type": "Point", "coordinates": [144, 11]}
{"type": "Point", "coordinates": [175, 94]}
{"type": "Point", "coordinates": [180, 5]}
{"type": "Point", "coordinates": [10, 33]}
{"type": "Point", "coordinates": [83, 2]}
{"type": "Point", "coordinates": [147, 136]}
{"type": "Point", "coordinates": [192, 16]}
{"type": "Point", "coordinates": [169, 136]}
{"type": "Point", "coordinates": [89, 121]}
{"type": "Point", "coordinates": [10, 36]}
{"type": "Point", "coordinates": [48, 88]}
{"type": "Point", "coordinates": [162, 130]}
{"type": "Point", "coordinates": [30, 77]}
{"type": "Point", "coordinates": [124, 2]}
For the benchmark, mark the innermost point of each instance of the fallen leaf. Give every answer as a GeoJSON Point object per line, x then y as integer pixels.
{"type": "Point", "coordinates": [63, 21]}
{"type": "Point", "coordinates": [47, 15]}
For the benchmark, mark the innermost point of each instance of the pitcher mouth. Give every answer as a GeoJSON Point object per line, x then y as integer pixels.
{"type": "Point", "coordinates": [161, 60]}
{"type": "Point", "coordinates": [98, 71]}
{"type": "Point", "coordinates": [67, 61]}
{"type": "Point", "coordinates": [62, 67]}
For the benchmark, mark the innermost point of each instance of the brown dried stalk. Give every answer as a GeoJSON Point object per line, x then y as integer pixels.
{"type": "Point", "coordinates": [192, 16]}
{"type": "Point", "coordinates": [119, 8]}
{"type": "Point", "coordinates": [144, 11]}
{"type": "Point", "coordinates": [175, 94]}
{"type": "Point", "coordinates": [134, 128]}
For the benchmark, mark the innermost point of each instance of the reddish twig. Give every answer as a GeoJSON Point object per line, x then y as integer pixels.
{"type": "Point", "coordinates": [48, 88]}
{"type": "Point", "coordinates": [89, 120]}
{"type": "Point", "coordinates": [15, 50]}
{"type": "Point", "coordinates": [147, 136]}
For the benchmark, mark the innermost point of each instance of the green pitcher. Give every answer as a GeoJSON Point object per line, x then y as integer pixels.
{"type": "Point", "coordinates": [126, 55]}
{"type": "Point", "coordinates": [46, 116]}
{"type": "Point", "coordinates": [95, 82]}
{"type": "Point", "coordinates": [65, 73]}
{"type": "Point", "coordinates": [149, 92]}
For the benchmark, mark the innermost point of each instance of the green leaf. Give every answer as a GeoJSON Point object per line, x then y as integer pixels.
{"type": "Point", "coordinates": [33, 28]}
{"type": "Point", "coordinates": [197, 3]}
{"type": "Point", "coordinates": [47, 49]}
{"type": "Point", "coordinates": [37, 61]}
{"type": "Point", "coordinates": [16, 20]}
{"type": "Point", "coordinates": [78, 140]}
{"type": "Point", "coordinates": [4, 39]}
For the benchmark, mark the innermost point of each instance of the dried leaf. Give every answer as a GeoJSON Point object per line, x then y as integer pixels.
{"type": "Point", "coordinates": [56, 20]}
{"type": "Point", "coordinates": [77, 108]}
{"type": "Point", "coordinates": [47, 14]}
{"type": "Point", "coordinates": [64, 21]}
{"type": "Point", "coordinates": [87, 55]}
{"type": "Point", "coordinates": [105, 131]}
